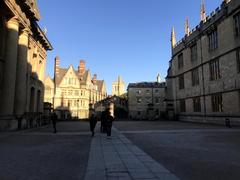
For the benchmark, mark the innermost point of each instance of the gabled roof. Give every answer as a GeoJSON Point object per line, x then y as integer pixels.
{"type": "Point", "coordinates": [100, 84]}
{"type": "Point", "coordinates": [61, 74]}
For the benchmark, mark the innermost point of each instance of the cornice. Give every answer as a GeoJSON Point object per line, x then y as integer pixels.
{"type": "Point", "coordinates": [16, 10]}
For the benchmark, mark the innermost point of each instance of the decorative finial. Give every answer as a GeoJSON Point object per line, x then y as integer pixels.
{"type": "Point", "coordinates": [173, 38]}
{"type": "Point", "coordinates": [203, 12]}
{"type": "Point", "coordinates": [187, 28]}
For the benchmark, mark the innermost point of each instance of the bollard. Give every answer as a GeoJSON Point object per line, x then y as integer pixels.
{"type": "Point", "coordinates": [227, 122]}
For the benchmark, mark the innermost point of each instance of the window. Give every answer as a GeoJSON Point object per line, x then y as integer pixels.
{"type": "Point", "coordinates": [213, 40]}
{"type": "Point", "coordinates": [197, 104]}
{"type": "Point", "coordinates": [157, 100]}
{"type": "Point", "coordinates": [139, 113]}
{"type": "Point", "coordinates": [156, 91]}
{"type": "Point", "coordinates": [237, 24]}
{"type": "Point", "coordinates": [139, 100]}
{"type": "Point", "coordinates": [181, 81]}
{"type": "Point", "coordinates": [64, 92]}
{"type": "Point", "coordinates": [217, 104]}
{"type": "Point", "coordinates": [180, 61]}
{"type": "Point", "coordinates": [138, 91]}
{"type": "Point", "coordinates": [76, 92]}
{"type": "Point", "coordinates": [182, 105]}
{"type": "Point", "coordinates": [238, 60]}
{"type": "Point", "coordinates": [148, 99]}
{"type": "Point", "coordinates": [194, 53]}
{"type": "Point", "coordinates": [214, 70]}
{"type": "Point", "coordinates": [195, 77]}
{"type": "Point", "coordinates": [70, 92]}
{"type": "Point", "coordinates": [147, 91]}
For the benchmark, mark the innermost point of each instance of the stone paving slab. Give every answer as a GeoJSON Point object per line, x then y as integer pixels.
{"type": "Point", "coordinates": [116, 158]}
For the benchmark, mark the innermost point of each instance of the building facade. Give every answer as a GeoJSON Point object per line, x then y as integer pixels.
{"type": "Point", "coordinates": [23, 52]}
{"type": "Point", "coordinates": [72, 91]}
{"type": "Point", "coordinates": [203, 81]}
{"type": "Point", "coordinates": [118, 87]}
{"type": "Point", "coordinates": [146, 100]}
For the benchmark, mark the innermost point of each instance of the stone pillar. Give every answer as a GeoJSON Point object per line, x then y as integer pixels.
{"type": "Point", "coordinates": [10, 63]}
{"type": "Point", "coordinates": [21, 74]}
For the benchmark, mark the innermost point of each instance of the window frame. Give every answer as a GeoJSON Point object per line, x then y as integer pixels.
{"type": "Point", "coordinates": [214, 70]}
{"type": "Point", "coordinates": [180, 61]}
{"type": "Point", "coordinates": [195, 77]}
{"type": "Point", "coordinates": [213, 40]}
{"type": "Point", "coordinates": [181, 82]}
{"type": "Point", "coordinates": [194, 53]}
{"type": "Point", "coordinates": [217, 102]}
{"type": "Point", "coordinates": [197, 104]}
{"type": "Point", "coordinates": [236, 19]}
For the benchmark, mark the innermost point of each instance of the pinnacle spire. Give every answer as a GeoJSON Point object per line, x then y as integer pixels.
{"type": "Point", "coordinates": [187, 28]}
{"type": "Point", "coordinates": [173, 38]}
{"type": "Point", "coordinates": [203, 11]}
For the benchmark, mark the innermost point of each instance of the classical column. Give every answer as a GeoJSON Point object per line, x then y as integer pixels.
{"type": "Point", "coordinates": [10, 63]}
{"type": "Point", "coordinates": [21, 74]}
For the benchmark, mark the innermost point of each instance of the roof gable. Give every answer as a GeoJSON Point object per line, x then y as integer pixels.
{"type": "Point", "coordinates": [70, 79]}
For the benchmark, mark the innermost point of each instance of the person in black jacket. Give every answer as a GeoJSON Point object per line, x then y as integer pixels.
{"type": "Point", "coordinates": [109, 121]}
{"type": "Point", "coordinates": [92, 120]}
{"type": "Point", "coordinates": [54, 121]}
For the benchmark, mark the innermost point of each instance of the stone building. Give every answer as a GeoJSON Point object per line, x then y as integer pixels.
{"type": "Point", "coordinates": [203, 81]}
{"type": "Point", "coordinates": [23, 52]}
{"type": "Point", "coordinates": [146, 100]}
{"type": "Point", "coordinates": [72, 91]}
{"type": "Point", "coordinates": [118, 87]}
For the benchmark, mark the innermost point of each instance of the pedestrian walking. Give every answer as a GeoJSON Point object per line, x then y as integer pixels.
{"type": "Point", "coordinates": [109, 121]}
{"type": "Point", "coordinates": [92, 120]}
{"type": "Point", "coordinates": [103, 122]}
{"type": "Point", "coordinates": [54, 121]}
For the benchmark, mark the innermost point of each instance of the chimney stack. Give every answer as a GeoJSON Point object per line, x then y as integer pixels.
{"type": "Point", "coordinates": [81, 67]}
{"type": "Point", "coordinates": [94, 80]}
{"type": "Point", "coordinates": [56, 66]}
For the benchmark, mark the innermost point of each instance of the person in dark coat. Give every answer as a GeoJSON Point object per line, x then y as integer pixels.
{"type": "Point", "coordinates": [92, 121]}
{"type": "Point", "coordinates": [109, 121]}
{"type": "Point", "coordinates": [54, 121]}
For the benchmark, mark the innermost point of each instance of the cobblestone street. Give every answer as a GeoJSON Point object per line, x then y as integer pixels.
{"type": "Point", "coordinates": [136, 150]}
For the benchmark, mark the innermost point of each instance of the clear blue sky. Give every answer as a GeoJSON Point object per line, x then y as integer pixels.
{"type": "Point", "coordinates": [130, 38]}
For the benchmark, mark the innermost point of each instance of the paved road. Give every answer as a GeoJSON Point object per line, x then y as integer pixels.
{"type": "Point", "coordinates": [190, 151]}
{"type": "Point", "coordinates": [183, 150]}
{"type": "Point", "coordinates": [42, 155]}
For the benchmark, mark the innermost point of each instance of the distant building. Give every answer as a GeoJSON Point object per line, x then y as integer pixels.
{"type": "Point", "coordinates": [146, 100]}
{"type": "Point", "coordinates": [23, 54]}
{"type": "Point", "coordinates": [72, 91]}
{"type": "Point", "coordinates": [118, 87]}
{"type": "Point", "coordinates": [203, 81]}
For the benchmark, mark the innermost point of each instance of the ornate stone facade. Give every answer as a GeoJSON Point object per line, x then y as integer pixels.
{"type": "Point", "coordinates": [23, 47]}
{"type": "Point", "coordinates": [72, 91]}
{"type": "Point", "coordinates": [203, 79]}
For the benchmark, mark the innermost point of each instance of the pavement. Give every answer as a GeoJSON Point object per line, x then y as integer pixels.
{"type": "Point", "coordinates": [117, 158]}
{"type": "Point", "coordinates": [136, 151]}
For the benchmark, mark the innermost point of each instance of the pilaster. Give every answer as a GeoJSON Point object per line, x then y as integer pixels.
{"type": "Point", "coordinates": [10, 64]}
{"type": "Point", "coordinates": [21, 74]}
